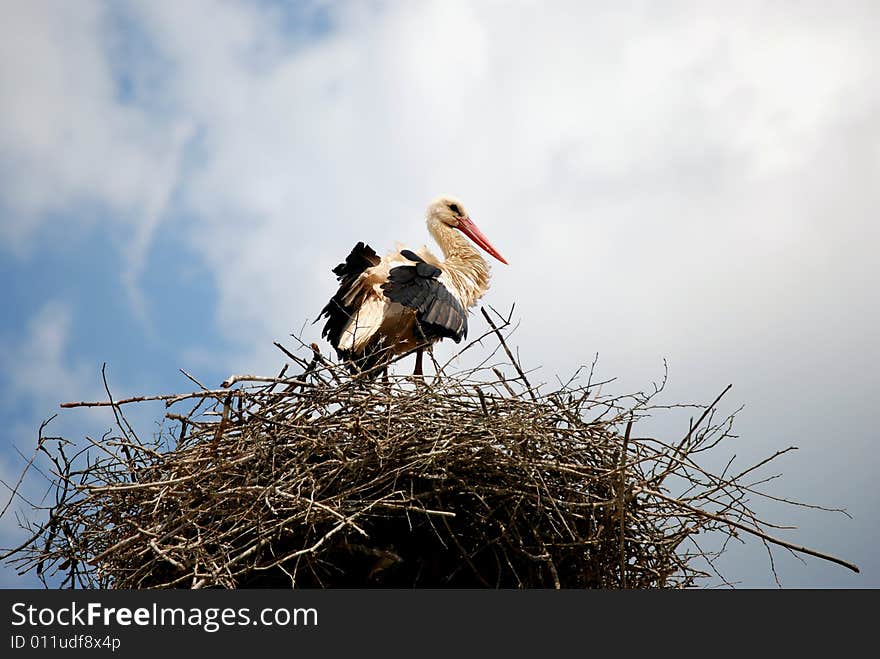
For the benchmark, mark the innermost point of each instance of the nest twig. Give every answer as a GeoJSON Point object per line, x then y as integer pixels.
{"type": "Point", "coordinates": [324, 479]}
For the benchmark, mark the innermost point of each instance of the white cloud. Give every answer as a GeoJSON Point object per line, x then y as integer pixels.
{"type": "Point", "coordinates": [689, 180]}
{"type": "Point", "coordinates": [636, 151]}
{"type": "Point", "coordinates": [39, 365]}
{"type": "Point", "coordinates": [68, 140]}
{"type": "Point", "coordinates": [41, 371]}
{"type": "Point", "coordinates": [38, 374]}
{"type": "Point", "coordinates": [679, 174]}
{"type": "Point", "coordinates": [655, 137]}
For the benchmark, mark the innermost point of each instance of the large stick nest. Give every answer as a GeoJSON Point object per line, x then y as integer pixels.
{"type": "Point", "coordinates": [324, 479]}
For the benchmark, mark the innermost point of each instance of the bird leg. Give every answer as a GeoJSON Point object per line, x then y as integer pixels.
{"type": "Point", "coordinates": [418, 368]}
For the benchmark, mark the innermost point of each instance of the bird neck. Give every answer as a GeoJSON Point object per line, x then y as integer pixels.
{"type": "Point", "coordinates": [464, 265]}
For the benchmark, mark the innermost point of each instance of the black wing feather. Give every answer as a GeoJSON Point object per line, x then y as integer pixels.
{"type": "Point", "coordinates": [438, 311]}
{"type": "Point", "coordinates": [337, 314]}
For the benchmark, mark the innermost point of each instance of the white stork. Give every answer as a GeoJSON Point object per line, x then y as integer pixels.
{"type": "Point", "coordinates": [408, 300]}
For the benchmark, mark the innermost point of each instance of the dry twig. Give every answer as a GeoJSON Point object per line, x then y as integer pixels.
{"type": "Point", "coordinates": [341, 480]}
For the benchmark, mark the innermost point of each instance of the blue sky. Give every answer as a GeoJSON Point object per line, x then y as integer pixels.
{"type": "Point", "coordinates": [688, 181]}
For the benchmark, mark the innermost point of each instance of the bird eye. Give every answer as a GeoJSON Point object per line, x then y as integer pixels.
{"type": "Point", "coordinates": [455, 209]}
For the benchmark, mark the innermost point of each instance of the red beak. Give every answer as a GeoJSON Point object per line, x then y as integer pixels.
{"type": "Point", "coordinates": [470, 229]}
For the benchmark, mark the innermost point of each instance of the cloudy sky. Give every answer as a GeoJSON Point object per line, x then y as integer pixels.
{"type": "Point", "coordinates": [689, 181]}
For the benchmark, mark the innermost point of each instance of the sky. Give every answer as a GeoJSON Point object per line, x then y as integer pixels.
{"type": "Point", "coordinates": [695, 182]}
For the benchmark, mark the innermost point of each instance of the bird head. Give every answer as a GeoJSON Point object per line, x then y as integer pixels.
{"type": "Point", "coordinates": [450, 211]}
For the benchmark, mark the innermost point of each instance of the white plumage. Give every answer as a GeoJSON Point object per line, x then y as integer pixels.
{"type": "Point", "coordinates": [407, 300]}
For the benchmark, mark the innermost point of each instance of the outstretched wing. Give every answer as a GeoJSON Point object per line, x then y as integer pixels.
{"type": "Point", "coordinates": [438, 311]}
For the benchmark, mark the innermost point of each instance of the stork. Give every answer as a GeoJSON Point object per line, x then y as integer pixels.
{"type": "Point", "coordinates": [408, 301]}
